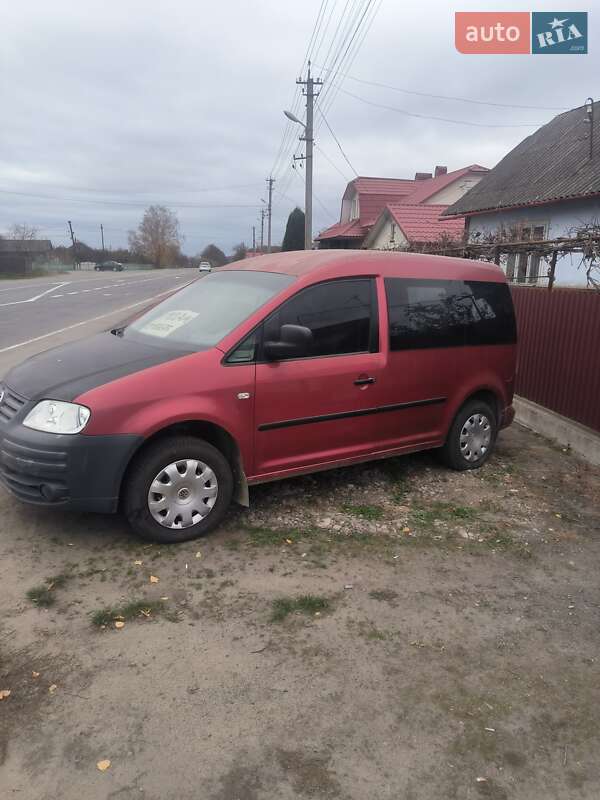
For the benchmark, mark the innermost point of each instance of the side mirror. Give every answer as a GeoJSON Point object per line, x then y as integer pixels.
{"type": "Point", "coordinates": [294, 342]}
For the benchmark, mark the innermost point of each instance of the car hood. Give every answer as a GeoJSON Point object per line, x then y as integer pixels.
{"type": "Point", "coordinates": [67, 371]}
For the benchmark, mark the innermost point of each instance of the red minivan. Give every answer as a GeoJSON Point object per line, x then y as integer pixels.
{"type": "Point", "coordinates": [267, 368]}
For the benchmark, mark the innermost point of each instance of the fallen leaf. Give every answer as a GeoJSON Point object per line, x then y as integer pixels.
{"type": "Point", "coordinates": [199, 554]}
{"type": "Point", "coordinates": [153, 579]}
{"type": "Point", "coordinates": [138, 563]}
{"type": "Point", "coordinates": [4, 693]}
{"type": "Point", "coordinates": [164, 598]}
{"type": "Point", "coordinates": [405, 530]}
{"type": "Point", "coordinates": [289, 541]}
{"type": "Point", "coordinates": [103, 765]}
{"type": "Point", "coordinates": [145, 612]}
{"type": "Point", "coordinates": [119, 624]}
{"type": "Point", "coordinates": [52, 688]}
{"type": "Point", "coordinates": [35, 674]}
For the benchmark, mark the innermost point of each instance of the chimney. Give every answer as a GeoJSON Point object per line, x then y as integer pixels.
{"type": "Point", "coordinates": [440, 171]}
{"type": "Point", "coordinates": [422, 176]}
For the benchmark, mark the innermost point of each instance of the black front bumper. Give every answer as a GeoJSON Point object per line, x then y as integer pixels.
{"type": "Point", "coordinates": [75, 471]}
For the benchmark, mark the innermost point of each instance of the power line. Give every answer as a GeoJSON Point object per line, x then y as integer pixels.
{"type": "Point", "coordinates": [448, 97]}
{"type": "Point", "coordinates": [336, 140]}
{"type": "Point", "coordinates": [347, 65]}
{"type": "Point", "coordinates": [324, 154]}
{"type": "Point", "coordinates": [438, 119]}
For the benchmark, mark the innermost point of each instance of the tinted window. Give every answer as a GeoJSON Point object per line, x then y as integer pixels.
{"type": "Point", "coordinates": [338, 313]}
{"type": "Point", "coordinates": [493, 318]}
{"type": "Point", "coordinates": [424, 314]}
{"type": "Point", "coordinates": [430, 313]}
{"type": "Point", "coordinates": [201, 314]}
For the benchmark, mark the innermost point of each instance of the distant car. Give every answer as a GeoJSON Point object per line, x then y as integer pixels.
{"type": "Point", "coordinates": [205, 266]}
{"type": "Point", "coordinates": [111, 266]}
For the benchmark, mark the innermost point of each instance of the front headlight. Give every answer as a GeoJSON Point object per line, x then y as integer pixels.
{"type": "Point", "coordinates": [56, 416]}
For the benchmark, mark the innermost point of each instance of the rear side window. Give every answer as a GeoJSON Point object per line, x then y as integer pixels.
{"type": "Point", "coordinates": [341, 315]}
{"type": "Point", "coordinates": [432, 313]}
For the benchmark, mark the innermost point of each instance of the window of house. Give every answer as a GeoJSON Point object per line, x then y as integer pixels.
{"type": "Point", "coordinates": [393, 232]}
{"type": "Point", "coordinates": [510, 266]}
{"type": "Point", "coordinates": [429, 313]}
{"type": "Point", "coordinates": [342, 316]}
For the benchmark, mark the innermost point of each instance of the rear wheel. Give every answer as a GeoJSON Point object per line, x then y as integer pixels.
{"type": "Point", "coordinates": [472, 436]}
{"type": "Point", "coordinates": [177, 489]}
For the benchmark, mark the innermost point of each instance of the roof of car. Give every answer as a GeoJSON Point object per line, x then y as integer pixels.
{"type": "Point", "coordinates": [337, 263]}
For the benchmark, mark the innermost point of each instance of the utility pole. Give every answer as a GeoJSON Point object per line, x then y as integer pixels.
{"type": "Point", "coordinates": [254, 238]}
{"type": "Point", "coordinates": [309, 92]}
{"type": "Point", "coordinates": [102, 234]}
{"type": "Point", "coordinates": [262, 229]}
{"type": "Point", "coordinates": [270, 181]}
{"type": "Point", "coordinates": [76, 265]}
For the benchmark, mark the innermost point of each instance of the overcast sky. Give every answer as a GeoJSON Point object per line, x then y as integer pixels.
{"type": "Point", "coordinates": [110, 106]}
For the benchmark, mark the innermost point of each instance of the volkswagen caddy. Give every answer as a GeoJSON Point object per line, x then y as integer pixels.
{"type": "Point", "coordinates": [267, 368]}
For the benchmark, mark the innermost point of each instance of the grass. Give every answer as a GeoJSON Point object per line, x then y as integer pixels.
{"type": "Point", "coordinates": [445, 512]}
{"type": "Point", "coordinates": [44, 595]}
{"type": "Point", "coordinates": [370, 513]}
{"type": "Point", "coordinates": [309, 604]}
{"type": "Point", "coordinates": [135, 609]}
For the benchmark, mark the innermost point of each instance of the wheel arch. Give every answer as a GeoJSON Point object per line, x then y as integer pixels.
{"type": "Point", "coordinates": [213, 434]}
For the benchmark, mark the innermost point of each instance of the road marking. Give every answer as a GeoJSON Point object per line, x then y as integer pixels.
{"type": "Point", "coordinates": [37, 297]}
{"type": "Point", "coordinates": [107, 294]}
{"type": "Point", "coordinates": [87, 321]}
{"type": "Point", "coordinates": [53, 296]}
{"type": "Point", "coordinates": [72, 292]}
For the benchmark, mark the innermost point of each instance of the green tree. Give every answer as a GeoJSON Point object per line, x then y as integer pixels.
{"type": "Point", "coordinates": [214, 254]}
{"type": "Point", "coordinates": [294, 231]}
{"type": "Point", "coordinates": [157, 237]}
{"type": "Point", "coordinates": [239, 252]}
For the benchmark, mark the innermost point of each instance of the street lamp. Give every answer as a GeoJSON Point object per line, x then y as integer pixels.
{"type": "Point", "coordinates": [294, 118]}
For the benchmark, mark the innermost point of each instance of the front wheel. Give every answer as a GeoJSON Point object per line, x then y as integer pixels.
{"type": "Point", "coordinates": [177, 489]}
{"type": "Point", "coordinates": [472, 436]}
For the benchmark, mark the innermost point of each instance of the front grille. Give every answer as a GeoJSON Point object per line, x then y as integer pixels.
{"type": "Point", "coordinates": [11, 404]}
{"type": "Point", "coordinates": [26, 470]}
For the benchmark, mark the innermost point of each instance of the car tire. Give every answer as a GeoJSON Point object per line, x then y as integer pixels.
{"type": "Point", "coordinates": [472, 436]}
{"type": "Point", "coordinates": [183, 499]}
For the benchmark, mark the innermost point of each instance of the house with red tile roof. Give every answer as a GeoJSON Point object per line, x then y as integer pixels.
{"type": "Point", "coordinates": [366, 198]}
{"type": "Point", "coordinates": [404, 225]}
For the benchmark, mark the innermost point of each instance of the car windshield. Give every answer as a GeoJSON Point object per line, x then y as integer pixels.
{"type": "Point", "coordinates": [201, 314]}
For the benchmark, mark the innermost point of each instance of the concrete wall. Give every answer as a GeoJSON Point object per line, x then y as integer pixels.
{"type": "Point", "coordinates": [557, 218]}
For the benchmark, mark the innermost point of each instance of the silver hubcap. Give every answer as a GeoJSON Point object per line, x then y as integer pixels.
{"type": "Point", "coordinates": [475, 437]}
{"type": "Point", "coordinates": [183, 493]}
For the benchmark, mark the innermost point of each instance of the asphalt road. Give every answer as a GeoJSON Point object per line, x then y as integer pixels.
{"type": "Point", "coordinates": [40, 313]}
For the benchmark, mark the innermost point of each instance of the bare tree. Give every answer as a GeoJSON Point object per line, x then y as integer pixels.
{"type": "Point", "coordinates": [21, 230]}
{"type": "Point", "coordinates": [157, 237]}
{"type": "Point", "coordinates": [239, 252]}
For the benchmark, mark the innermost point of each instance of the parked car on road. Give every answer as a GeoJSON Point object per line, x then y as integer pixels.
{"type": "Point", "coordinates": [205, 266]}
{"type": "Point", "coordinates": [114, 266]}
{"type": "Point", "coordinates": [272, 367]}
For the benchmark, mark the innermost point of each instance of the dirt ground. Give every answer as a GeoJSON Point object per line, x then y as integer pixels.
{"type": "Point", "coordinates": [394, 631]}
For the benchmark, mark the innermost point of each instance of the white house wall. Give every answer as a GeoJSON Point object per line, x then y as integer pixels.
{"type": "Point", "coordinates": [558, 218]}
{"type": "Point", "coordinates": [383, 238]}
{"type": "Point", "coordinates": [454, 191]}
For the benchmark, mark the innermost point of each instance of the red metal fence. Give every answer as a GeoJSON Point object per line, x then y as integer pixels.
{"type": "Point", "coordinates": [559, 350]}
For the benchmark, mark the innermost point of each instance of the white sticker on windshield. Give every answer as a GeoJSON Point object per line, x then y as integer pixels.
{"type": "Point", "coordinates": [169, 322]}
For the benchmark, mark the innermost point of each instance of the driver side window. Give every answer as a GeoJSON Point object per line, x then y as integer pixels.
{"type": "Point", "coordinates": [341, 315]}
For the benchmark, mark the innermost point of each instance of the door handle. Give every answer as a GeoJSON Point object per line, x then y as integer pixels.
{"type": "Point", "coordinates": [363, 381]}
